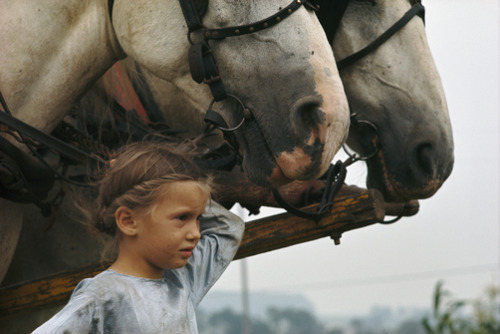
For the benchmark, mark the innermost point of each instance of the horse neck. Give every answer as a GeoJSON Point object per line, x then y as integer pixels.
{"type": "Point", "coordinates": [72, 45]}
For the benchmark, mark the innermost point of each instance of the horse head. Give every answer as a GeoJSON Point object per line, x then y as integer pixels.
{"type": "Point", "coordinates": [396, 94]}
{"type": "Point", "coordinates": [281, 80]}
{"type": "Point", "coordinates": [54, 51]}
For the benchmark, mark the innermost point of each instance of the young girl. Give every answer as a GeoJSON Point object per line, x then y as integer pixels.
{"type": "Point", "coordinates": [173, 245]}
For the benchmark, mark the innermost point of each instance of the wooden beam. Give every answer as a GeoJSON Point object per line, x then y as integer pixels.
{"type": "Point", "coordinates": [356, 209]}
{"type": "Point", "coordinates": [283, 230]}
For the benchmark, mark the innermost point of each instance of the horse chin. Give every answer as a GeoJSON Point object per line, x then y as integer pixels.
{"type": "Point", "coordinates": [394, 191]}
{"type": "Point", "coordinates": [265, 167]}
{"type": "Point", "coordinates": [278, 178]}
{"type": "Point", "coordinates": [396, 188]}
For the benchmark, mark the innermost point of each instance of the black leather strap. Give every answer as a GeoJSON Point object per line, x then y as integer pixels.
{"type": "Point", "coordinates": [64, 149]}
{"type": "Point", "coordinates": [334, 179]}
{"type": "Point", "coordinates": [256, 26]}
{"type": "Point", "coordinates": [191, 15]}
{"type": "Point", "coordinates": [416, 10]}
{"type": "Point", "coordinates": [204, 69]}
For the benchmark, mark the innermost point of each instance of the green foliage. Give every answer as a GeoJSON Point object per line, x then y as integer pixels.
{"type": "Point", "coordinates": [448, 316]}
{"type": "Point", "coordinates": [487, 312]}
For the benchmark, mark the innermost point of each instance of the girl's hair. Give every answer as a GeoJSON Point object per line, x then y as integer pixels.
{"type": "Point", "coordinates": [136, 176]}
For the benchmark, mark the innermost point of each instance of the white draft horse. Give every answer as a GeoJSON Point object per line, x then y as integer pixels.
{"type": "Point", "coordinates": [400, 126]}
{"type": "Point", "coordinates": [278, 62]}
{"type": "Point", "coordinates": [385, 93]}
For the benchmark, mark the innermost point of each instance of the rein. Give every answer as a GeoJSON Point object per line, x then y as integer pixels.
{"type": "Point", "coordinates": [27, 130]}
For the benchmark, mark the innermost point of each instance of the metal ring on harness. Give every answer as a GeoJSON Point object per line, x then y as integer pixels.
{"type": "Point", "coordinates": [354, 157]}
{"type": "Point", "coordinates": [216, 119]}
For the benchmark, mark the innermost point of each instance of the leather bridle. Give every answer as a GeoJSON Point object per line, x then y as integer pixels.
{"type": "Point", "coordinates": [202, 64]}
{"type": "Point", "coordinates": [331, 13]}
{"type": "Point", "coordinates": [204, 70]}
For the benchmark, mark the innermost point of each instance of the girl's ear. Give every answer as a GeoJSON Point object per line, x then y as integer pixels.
{"type": "Point", "coordinates": [125, 221]}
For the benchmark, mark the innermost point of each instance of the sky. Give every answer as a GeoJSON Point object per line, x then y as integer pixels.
{"type": "Point", "coordinates": [455, 236]}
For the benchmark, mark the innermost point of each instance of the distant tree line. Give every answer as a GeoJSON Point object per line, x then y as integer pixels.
{"type": "Point", "coordinates": [278, 321]}
{"type": "Point", "coordinates": [447, 316]}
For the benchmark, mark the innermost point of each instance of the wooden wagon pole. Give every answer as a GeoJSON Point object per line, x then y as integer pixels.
{"type": "Point", "coordinates": [353, 208]}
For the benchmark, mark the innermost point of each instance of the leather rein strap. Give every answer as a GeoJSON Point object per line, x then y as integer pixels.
{"type": "Point", "coordinates": [417, 9]}
{"type": "Point", "coordinates": [63, 148]}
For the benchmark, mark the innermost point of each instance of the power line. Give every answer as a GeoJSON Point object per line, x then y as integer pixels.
{"type": "Point", "coordinates": [397, 278]}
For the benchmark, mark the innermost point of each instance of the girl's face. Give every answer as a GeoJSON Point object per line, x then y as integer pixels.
{"type": "Point", "coordinates": [167, 237]}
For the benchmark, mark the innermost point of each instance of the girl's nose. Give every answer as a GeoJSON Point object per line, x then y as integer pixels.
{"type": "Point", "coordinates": [194, 231]}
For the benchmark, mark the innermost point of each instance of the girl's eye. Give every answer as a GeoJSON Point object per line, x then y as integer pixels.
{"type": "Point", "coordinates": [183, 217]}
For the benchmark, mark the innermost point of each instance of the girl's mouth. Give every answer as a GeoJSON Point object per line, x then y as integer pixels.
{"type": "Point", "coordinates": [187, 252]}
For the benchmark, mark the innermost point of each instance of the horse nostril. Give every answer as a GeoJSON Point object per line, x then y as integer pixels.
{"type": "Point", "coordinates": [308, 115]}
{"type": "Point", "coordinates": [426, 159]}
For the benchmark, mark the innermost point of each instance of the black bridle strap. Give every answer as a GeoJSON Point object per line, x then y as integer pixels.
{"type": "Point", "coordinates": [334, 179]}
{"type": "Point", "coordinates": [191, 14]}
{"type": "Point", "coordinates": [202, 63]}
{"type": "Point", "coordinates": [416, 10]}
{"type": "Point", "coordinates": [256, 26]}
{"type": "Point", "coordinates": [64, 149]}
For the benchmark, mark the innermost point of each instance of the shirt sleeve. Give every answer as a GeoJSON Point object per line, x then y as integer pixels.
{"type": "Point", "coordinates": [75, 317]}
{"type": "Point", "coordinates": [221, 234]}
{"type": "Point", "coordinates": [86, 313]}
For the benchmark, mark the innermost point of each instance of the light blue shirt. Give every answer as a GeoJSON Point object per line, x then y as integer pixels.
{"type": "Point", "coordinates": [116, 303]}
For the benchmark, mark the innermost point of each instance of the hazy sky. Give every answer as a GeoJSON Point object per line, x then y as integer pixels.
{"type": "Point", "coordinates": [455, 236]}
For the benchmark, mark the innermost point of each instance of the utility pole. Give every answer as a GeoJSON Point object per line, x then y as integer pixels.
{"type": "Point", "coordinates": [245, 328]}
{"type": "Point", "coordinates": [245, 298]}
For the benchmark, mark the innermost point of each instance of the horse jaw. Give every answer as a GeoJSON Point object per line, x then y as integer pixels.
{"type": "Point", "coordinates": [402, 95]}
{"type": "Point", "coordinates": [270, 71]}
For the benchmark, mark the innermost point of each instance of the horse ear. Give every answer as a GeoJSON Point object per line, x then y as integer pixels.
{"type": "Point", "coordinates": [125, 221]}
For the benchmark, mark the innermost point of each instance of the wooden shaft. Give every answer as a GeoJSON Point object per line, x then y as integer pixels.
{"type": "Point", "coordinates": [357, 209]}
